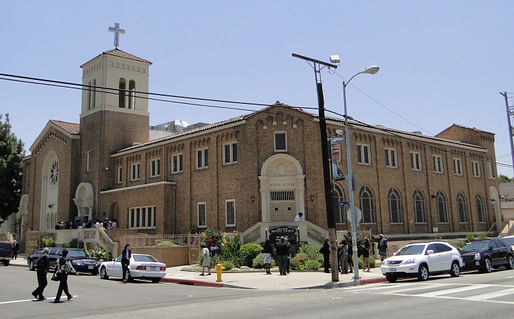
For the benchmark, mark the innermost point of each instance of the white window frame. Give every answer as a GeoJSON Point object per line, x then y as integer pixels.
{"type": "Point", "coordinates": [275, 141]}
{"type": "Point", "coordinates": [120, 175]}
{"type": "Point", "coordinates": [415, 161]}
{"type": "Point", "coordinates": [391, 158]}
{"type": "Point", "coordinates": [177, 167]}
{"type": "Point", "coordinates": [232, 153]}
{"type": "Point", "coordinates": [475, 168]}
{"type": "Point", "coordinates": [233, 201]}
{"type": "Point", "coordinates": [136, 220]}
{"type": "Point", "coordinates": [437, 161]}
{"type": "Point", "coordinates": [457, 166]}
{"type": "Point", "coordinates": [363, 150]}
{"type": "Point", "coordinates": [204, 204]}
{"type": "Point", "coordinates": [203, 164]}
{"type": "Point", "coordinates": [155, 167]}
{"type": "Point", "coordinates": [135, 171]}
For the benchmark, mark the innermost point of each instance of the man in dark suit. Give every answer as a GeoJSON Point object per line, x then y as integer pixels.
{"type": "Point", "coordinates": [42, 269]}
{"type": "Point", "coordinates": [125, 261]}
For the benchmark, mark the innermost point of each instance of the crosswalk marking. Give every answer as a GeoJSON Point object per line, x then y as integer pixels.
{"type": "Point", "coordinates": [491, 295]}
{"type": "Point", "coordinates": [451, 291]}
{"type": "Point", "coordinates": [417, 287]}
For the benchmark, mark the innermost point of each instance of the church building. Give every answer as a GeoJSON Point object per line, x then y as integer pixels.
{"type": "Point", "coordinates": [248, 174]}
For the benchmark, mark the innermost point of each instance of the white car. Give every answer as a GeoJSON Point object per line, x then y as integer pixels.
{"type": "Point", "coordinates": [141, 266]}
{"type": "Point", "coordinates": [422, 260]}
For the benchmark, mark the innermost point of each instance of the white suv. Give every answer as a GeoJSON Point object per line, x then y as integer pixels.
{"type": "Point", "coordinates": [422, 260]}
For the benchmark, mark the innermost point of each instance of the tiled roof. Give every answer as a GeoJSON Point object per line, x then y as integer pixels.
{"type": "Point", "coordinates": [125, 55]}
{"type": "Point", "coordinates": [72, 128]}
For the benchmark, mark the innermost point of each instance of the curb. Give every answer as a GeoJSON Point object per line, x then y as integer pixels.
{"type": "Point", "coordinates": [193, 282]}
{"type": "Point", "coordinates": [18, 265]}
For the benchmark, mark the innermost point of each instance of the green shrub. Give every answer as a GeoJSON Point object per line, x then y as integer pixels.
{"type": "Point", "coordinates": [165, 243]}
{"type": "Point", "coordinates": [248, 252]}
{"type": "Point", "coordinates": [482, 236]}
{"type": "Point", "coordinates": [312, 264]}
{"type": "Point", "coordinates": [258, 261]}
{"type": "Point", "coordinates": [75, 243]}
{"type": "Point", "coordinates": [311, 251]}
{"type": "Point", "coordinates": [228, 265]}
{"type": "Point", "coordinates": [230, 248]}
{"type": "Point", "coordinates": [100, 254]}
{"type": "Point", "coordinates": [371, 262]}
{"type": "Point", "coordinates": [470, 238]}
{"type": "Point", "coordinates": [48, 242]}
{"type": "Point", "coordinates": [294, 263]}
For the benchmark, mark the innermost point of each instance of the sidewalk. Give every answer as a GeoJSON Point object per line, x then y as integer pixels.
{"type": "Point", "coordinates": [259, 280]}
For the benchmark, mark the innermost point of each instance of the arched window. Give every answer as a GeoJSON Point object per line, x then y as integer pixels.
{"type": "Point", "coordinates": [442, 208]}
{"type": "Point", "coordinates": [463, 212]}
{"type": "Point", "coordinates": [338, 196]}
{"type": "Point", "coordinates": [93, 95]}
{"type": "Point", "coordinates": [420, 208]}
{"type": "Point", "coordinates": [395, 207]}
{"type": "Point", "coordinates": [479, 202]}
{"type": "Point", "coordinates": [367, 205]}
{"type": "Point", "coordinates": [121, 94]}
{"type": "Point", "coordinates": [132, 95]}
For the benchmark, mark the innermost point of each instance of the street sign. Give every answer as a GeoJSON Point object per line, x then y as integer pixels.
{"type": "Point", "coordinates": [354, 211]}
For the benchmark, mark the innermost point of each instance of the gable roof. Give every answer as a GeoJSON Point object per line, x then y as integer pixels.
{"type": "Point", "coordinates": [71, 130]}
{"type": "Point", "coordinates": [120, 54]}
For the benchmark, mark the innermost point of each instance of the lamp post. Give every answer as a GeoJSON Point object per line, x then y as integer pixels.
{"type": "Point", "coordinates": [353, 220]}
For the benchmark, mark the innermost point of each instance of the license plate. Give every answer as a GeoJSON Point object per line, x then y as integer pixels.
{"type": "Point", "coordinates": [90, 267]}
{"type": "Point", "coordinates": [154, 268]}
{"type": "Point", "coordinates": [392, 269]}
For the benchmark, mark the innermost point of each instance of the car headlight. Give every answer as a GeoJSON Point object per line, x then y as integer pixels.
{"type": "Point", "coordinates": [77, 262]}
{"type": "Point", "coordinates": [477, 256]}
{"type": "Point", "coordinates": [409, 261]}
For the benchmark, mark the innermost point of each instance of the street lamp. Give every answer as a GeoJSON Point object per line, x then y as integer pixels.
{"type": "Point", "coordinates": [353, 220]}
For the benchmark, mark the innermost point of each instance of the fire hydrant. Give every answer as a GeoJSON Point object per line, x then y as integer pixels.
{"type": "Point", "coordinates": [219, 268]}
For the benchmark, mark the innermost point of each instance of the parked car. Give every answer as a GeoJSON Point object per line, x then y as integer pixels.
{"type": "Point", "coordinates": [510, 240]}
{"type": "Point", "coordinates": [422, 260]}
{"type": "Point", "coordinates": [5, 252]}
{"type": "Point", "coordinates": [80, 260]}
{"type": "Point", "coordinates": [141, 267]}
{"type": "Point", "coordinates": [485, 255]}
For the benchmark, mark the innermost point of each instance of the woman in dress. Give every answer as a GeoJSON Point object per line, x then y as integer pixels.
{"type": "Point", "coordinates": [63, 268]}
{"type": "Point", "coordinates": [206, 262]}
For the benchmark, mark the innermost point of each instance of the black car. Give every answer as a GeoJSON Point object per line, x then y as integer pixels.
{"type": "Point", "coordinates": [80, 260]}
{"type": "Point", "coordinates": [5, 252]}
{"type": "Point", "coordinates": [485, 255]}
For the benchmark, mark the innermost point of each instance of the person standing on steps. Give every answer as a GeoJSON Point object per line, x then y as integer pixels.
{"type": "Point", "coordinates": [63, 268]}
{"type": "Point", "coordinates": [125, 261]}
{"type": "Point", "coordinates": [42, 265]}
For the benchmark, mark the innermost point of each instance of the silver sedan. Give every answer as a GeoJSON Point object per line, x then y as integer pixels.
{"type": "Point", "coordinates": [141, 267]}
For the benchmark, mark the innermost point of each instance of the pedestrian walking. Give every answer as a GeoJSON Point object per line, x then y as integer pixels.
{"type": "Point", "coordinates": [325, 250]}
{"type": "Point", "coordinates": [365, 254]}
{"type": "Point", "coordinates": [382, 247]}
{"type": "Point", "coordinates": [282, 253]}
{"type": "Point", "coordinates": [42, 266]}
{"type": "Point", "coordinates": [267, 251]}
{"type": "Point", "coordinates": [15, 248]}
{"type": "Point", "coordinates": [63, 268]}
{"type": "Point", "coordinates": [206, 262]}
{"type": "Point", "coordinates": [343, 257]}
{"type": "Point", "coordinates": [125, 261]}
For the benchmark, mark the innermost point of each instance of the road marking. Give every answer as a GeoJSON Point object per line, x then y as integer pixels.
{"type": "Point", "coordinates": [451, 291]}
{"type": "Point", "coordinates": [491, 295]}
{"type": "Point", "coordinates": [416, 287]}
{"type": "Point", "coordinates": [26, 300]}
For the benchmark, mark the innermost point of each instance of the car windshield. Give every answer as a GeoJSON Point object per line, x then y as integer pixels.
{"type": "Point", "coordinates": [411, 250]}
{"type": "Point", "coordinates": [144, 258]}
{"type": "Point", "coordinates": [510, 240]}
{"type": "Point", "coordinates": [476, 245]}
{"type": "Point", "coordinates": [77, 254]}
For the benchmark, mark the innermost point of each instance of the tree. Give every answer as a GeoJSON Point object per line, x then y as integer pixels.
{"type": "Point", "coordinates": [11, 155]}
{"type": "Point", "coordinates": [504, 179]}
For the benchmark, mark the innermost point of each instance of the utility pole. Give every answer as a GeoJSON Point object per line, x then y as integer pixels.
{"type": "Point", "coordinates": [318, 66]}
{"type": "Point", "coordinates": [510, 113]}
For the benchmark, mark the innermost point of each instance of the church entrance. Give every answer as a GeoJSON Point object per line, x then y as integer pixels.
{"type": "Point", "coordinates": [282, 188]}
{"type": "Point", "coordinates": [84, 200]}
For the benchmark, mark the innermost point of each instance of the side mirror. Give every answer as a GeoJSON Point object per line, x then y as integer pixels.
{"type": "Point", "coordinates": [430, 252]}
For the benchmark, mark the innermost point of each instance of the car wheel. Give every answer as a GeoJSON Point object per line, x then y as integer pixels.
{"type": "Point", "coordinates": [103, 273]}
{"type": "Point", "coordinates": [156, 280]}
{"type": "Point", "coordinates": [6, 262]}
{"type": "Point", "coordinates": [423, 272]}
{"type": "Point", "coordinates": [455, 269]}
{"type": "Point", "coordinates": [391, 277]}
{"type": "Point", "coordinates": [510, 262]}
{"type": "Point", "coordinates": [31, 265]}
{"type": "Point", "coordinates": [488, 266]}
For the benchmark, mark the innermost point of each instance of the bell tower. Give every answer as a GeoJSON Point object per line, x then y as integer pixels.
{"type": "Point", "coordinates": [114, 113]}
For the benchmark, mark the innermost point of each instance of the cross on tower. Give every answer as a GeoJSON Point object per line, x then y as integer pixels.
{"type": "Point", "coordinates": [117, 32]}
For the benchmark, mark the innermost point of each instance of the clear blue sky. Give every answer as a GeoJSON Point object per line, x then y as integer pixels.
{"type": "Point", "coordinates": [442, 62]}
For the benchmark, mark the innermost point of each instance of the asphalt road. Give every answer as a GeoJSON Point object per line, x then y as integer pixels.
{"type": "Point", "coordinates": [472, 295]}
